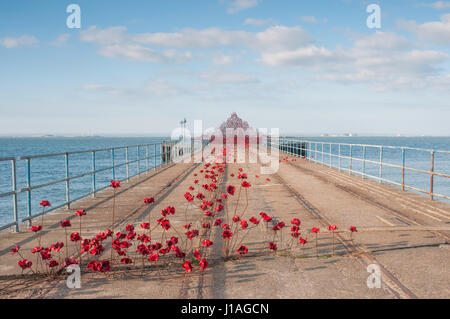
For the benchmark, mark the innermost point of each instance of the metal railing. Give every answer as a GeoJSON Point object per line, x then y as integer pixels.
{"type": "Point", "coordinates": [333, 154]}
{"type": "Point", "coordinates": [156, 155]}
{"type": "Point", "coordinates": [12, 193]}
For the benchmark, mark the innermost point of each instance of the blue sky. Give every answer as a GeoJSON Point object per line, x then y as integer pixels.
{"type": "Point", "coordinates": [307, 67]}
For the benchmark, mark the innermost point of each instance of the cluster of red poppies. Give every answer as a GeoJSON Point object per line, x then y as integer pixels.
{"type": "Point", "coordinates": [132, 245]}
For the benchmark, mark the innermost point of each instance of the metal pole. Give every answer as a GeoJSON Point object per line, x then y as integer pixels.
{"type": "Point", "coordinates": [403, 168]}
{"type": "Point", "coordinates": [381, 164]}
{"type": "Point", "coordinates": [147, 159]}
{"type": "Point", "coordinates": [139, 161]}
{"type": "Point", "coordinates": [154, 157]}
{"type": "Point", "coordinates": [315, 152]}
{"type": "Point", "coordinates": [113, 164]}
{"type": "Point", "coordinates": [364, 163]}
{"type": "Point", "coordinates": [162, 149]}
{"type": "Point", "coordinates": [322, 154]}
{"type": "Point", "coordinates": [29, 191]}
{"type": "Point", "coordinates": [66, 157]}
{"type": "Point", "coordinates": [339, 157]}
{"type": "Point", "coordinates": [330, 155]}
{"type": "Point", "coordinates": [14, 189]}
{"type": "Point", "coordinates": [93, 173]}
{"type": "Point", "coordinates": [350, 163]}
{"type": "Point", "coordinates": [127, 164]}
{"type": "Point", "coordinates": [432, 175]}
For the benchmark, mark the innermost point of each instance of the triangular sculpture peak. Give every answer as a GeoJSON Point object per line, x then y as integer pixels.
{"type": "Point", "coordinates": [234, 122]}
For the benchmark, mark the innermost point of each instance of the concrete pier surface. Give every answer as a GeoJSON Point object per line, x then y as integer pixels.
{"type": "Point", "coordinates": [405, 234]}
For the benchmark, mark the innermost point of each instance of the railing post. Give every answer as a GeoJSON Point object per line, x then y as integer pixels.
{"type": "Point", "coordinates": [403, 168]}
{"type": "Point", "coordinates": [93, 173]}
{"type": "Point", "coordinates": [315, 151]}
{"type": "Point", "coordinates": [339, 157]}
{"type": "Point", "coordinates": [127, 164]}
{"type": "Point", "coordinates": [154, 158]}
{"type": "Point", "coordinates": [162, 150]}
{"type": "Point", "coordinates": [29, 191]}
{"type": "Point", "coordinates": [322, 154]}
{"type": "Point", "coordinates": [432, 175]}
{"type": "Point", "coordinates": [14, 189]}
{"type": "Point", "coordinates": [330, 156]}
{"type": "Point", "coordinates": [381, 164]}
{"type": "Point", "coordinates": [139, 161]}
{"type": "Point", "coordinates": [66, 157]}
{"type": "Point", "coordinates": [113, 164]}
{"type": "Point", "coordinates": [364, 163]}
{"type": "Point", "coordinates": [147, 154]}
{"type": "Point", "coordinates": [350, 162]}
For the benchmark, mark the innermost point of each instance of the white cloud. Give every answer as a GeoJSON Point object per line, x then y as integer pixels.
{"type": "Point", "coordinates": [308, 19]}
{"type": "Point", "coordinates": [440, 5]}
{"type": "Point", "coordinates": [115, 42]}
{"type": "Point", "coordinates": [112, 35]}
{"type": "Point", "coordinates": [383, 41]}
{"type": "Point", "coordinates": [229, 77]}
{"type": "Point", "coordinates": [383, 60]}
{"type": "Point", "coordinates": [258, 22]}
{"type": "Point", "coordinates": [25, 40]}
{"type": "Point", "coordinates": [302, 56]}
{"type": "Point", "coordinates": [435, 32]}
{"type": "Point", "coordinates": [281, 38]}
{"type": "Point", "coordinates": [103, 89]}
{"type": "Point", "coordinates": [61, 40]}
{"type": "Point", "coordinates": [134, 52]}
{"type": "Point", "coordinates": [239, 5]}
{"type": "Point", "coordinates": [194, 38]}
{"type": "Point", "coordinates": [221, 59]}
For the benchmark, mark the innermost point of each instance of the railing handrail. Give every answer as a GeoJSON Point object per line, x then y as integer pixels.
{"type": "Point", "coordinates": [288, 143]}
{"type": "Point", "coordinates": [373, 145]}
{"type": "Point", "coordinates": [165, 155]}
{"type": "Point", "coordinates": [87, 151]}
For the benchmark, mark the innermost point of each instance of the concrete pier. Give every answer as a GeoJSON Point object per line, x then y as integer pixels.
{"type": "Point", "coordinates": [404, 233]}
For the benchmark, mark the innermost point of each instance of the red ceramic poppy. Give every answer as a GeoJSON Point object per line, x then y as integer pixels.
{"type": "Point", "coordinates": [207, 243]}
{"type": "Point", "coordinates": [75, 236]}
{"type": "Point", "coordinates": [332, 227]}
{"type": "Point", "coordinates": [115, 184]}
{"type": "Point", "coordinates": [24, 264]}
{"type": "Point", "coordinates": [80, 212]}
{"type": "Point", "coordinates": [227, 234]}
{"type": "Point", "coordinates": [187, 266]}
{"type": "Point", "coordinates": [149, 200]}
{"type": "Point", "coordinates": [242, 250]}
{"type": "Point", "coordinates": [45, 203]}
{"type": "Point", "coordinates": [65, 223]}
{"type": "Point", "coordinates": [35, 228]}
{"type": "Point", "coordinates": [203, 264]}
